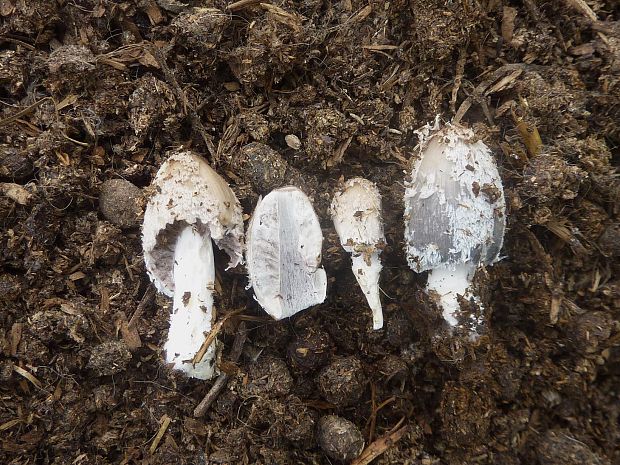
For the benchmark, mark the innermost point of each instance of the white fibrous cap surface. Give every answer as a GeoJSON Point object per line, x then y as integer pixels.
{"type": "Point", "coordinates": [283, 254]}
{"type": "Point", "coordinates": [188, 192]}
{"type": "Point", "coordinates": [356, 213]}
{"type": "Point", "coordinates": [454, 203]}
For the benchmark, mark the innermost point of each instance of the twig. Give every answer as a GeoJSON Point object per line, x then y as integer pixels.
{"type": "Point", "coordinates": [378, 447]}
{"type": "Point", "coordinates": [212, 335]}
{"type": "Point", "coordinates": [458, 78]}
{"type": "Point", "coordinates": [180, 95]}
{"type": "Point", "coordinates": [222, 380]}
{"type": "Point", "coordinates": [241, 4]}
{"type": "Point", "coordinates": [23, 112]}
{"type": "Point", "coordinates": [147, 298]}
{"type": "Point", "coordinates": [17, 41]}
{"type": "Point", "coordinates": [373, 415]}
{"type": "Point", "coordinates": [165, 422]}
{"type": "Point", "coordinates": [481, 90]}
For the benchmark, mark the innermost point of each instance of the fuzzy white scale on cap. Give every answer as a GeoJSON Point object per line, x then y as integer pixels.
{"type": "Point", "coordinates": [356, 213]}
{"type": "Point", "coordinates": [455, 213]}
{"type": "Point", "coordinates": [283, 255]}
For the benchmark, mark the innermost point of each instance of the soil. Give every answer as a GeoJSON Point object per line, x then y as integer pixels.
{"type": "Point", "coordinates": [95, 93]}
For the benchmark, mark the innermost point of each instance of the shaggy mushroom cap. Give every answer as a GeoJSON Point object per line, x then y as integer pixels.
{"type": "Point", "coordinates": [454, 203]}
{"type": "Point", "coordinates": [356, 212]}
{"type": "Point", "coordinates": [188, 192]}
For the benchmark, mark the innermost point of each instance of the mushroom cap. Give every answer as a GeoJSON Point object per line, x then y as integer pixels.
{"type": "Point", "coordinates": [356, 213]}
{"type": "Point", "coordinates": [188, 192]}
{"type": "Point", "coordinates": [283, 253]}
{"type": "Point", "coordinates": [455, 210]}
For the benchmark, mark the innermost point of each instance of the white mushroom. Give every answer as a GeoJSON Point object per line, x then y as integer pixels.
{"type": "Point", "coordinates": [356, 212]}
{"type": "Point", "coordinates": [191, 206]}
{"type": "Point", "coordinates": [283, 254]}
{"type": "Point", "coordinates": [455, 214]}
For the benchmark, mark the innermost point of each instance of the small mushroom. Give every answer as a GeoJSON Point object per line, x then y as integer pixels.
{"type": "Point", "coordinates": [356, 212]}
{"type": "Point", "coordinates": [192, 205]}
{"type": "Point", "coordinates": [283, 255]}
{"type": "Point", "coordinates": [455, 214]}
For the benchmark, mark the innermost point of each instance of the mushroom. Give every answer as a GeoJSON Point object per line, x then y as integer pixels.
{"type": "Point", "coordinates": [283, 255]}
{"type": "Point", "coordinates": [356, 213]}
{"type": "Point", "coordinates": [455, 214]}
{"type": "Point", "coordinates": [191, 206]}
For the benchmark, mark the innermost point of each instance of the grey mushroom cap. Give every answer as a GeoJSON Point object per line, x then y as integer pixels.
{"type": "Point", "coordinates": [188, 192]}
{"type": "Point", "coordinates": [454, 203]}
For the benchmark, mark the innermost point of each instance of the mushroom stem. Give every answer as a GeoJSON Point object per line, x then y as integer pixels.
{"type": "Point", "coordinates": [450, 281]}
{"type": "Point", "coordinates": [194, 278]}
{"type": "Point", "coordinates": [367, 275]}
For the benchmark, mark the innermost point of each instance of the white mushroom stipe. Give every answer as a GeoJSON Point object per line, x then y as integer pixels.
{"type": "Point", "coordinates": [367, 274]}
{"type": "Point", "coordinates": [190, 322]}
{"type": "Point", "coordinates": [450, 281]}
{"type": "Point", "coordinates": [283, 255]}
{"type": "Point", "coordinates": [454, 214]}
{"type": "Point", "coordinates": [191, 206]}
{"type": "Point", "coordinates": [356, 213]}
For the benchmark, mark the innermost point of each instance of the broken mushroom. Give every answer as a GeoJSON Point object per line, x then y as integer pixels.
{"type": "Point", "coordinates": [356, 212]}
{"type": "Point", "coordinates": [455, 214]}
{"type": "Point", "coordinates": [283, 255]}
{"type": "Point", "coordinates": [192, 205]}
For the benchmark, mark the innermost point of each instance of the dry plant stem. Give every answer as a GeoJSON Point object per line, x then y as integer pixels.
{"type": "Point", "coordinates": [147, 299]}
{"type": "Point", "coordinates": [241, 4]}
{"type": "Point", "coordinates": [222, 380]}
{"type": "Point", "coordinates": [373, 415]}
{"type": "Point", "coordinates": [482, 90]}
{"type": "Point", "coordinates": [165, 422]}
{"type": "Point", "coordinates": [378, 447]}
{"type": "Point", "coordinates": [23, 112]}
{"type": "Point", "coordinates": [180, 95]}
{"type": "Point", "coordinates": [212, 335]}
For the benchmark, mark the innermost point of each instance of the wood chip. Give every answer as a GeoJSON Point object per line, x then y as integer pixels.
{"type": "Point", "coordinates": [362, 14]}
{"type": "Point", "coordinates": [582, 7]}
{"type": "Point", "coordinates": [283, 17]}
{"type": "Point", "coordinates": [77, 276]}
{"type": "Point", "coordinates": [16, 336]}
{"type": "Point", "coordinates": [129, 333]}
{"type": "Point", "coordinates": [154, 13]}
{"type": "Point", "coordinates": [19, 194]}
{"type": "Point", "coordinates": [531, 137]}
{"type": "Point", "coordinates": [165, 422]}
{"type": "Point", "coordinates": [508, 23]}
